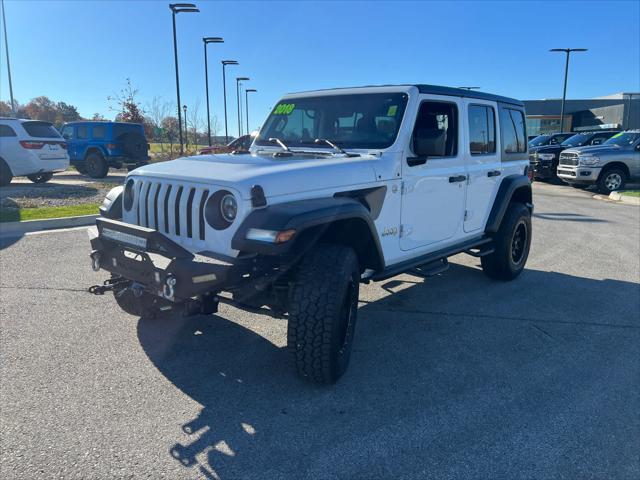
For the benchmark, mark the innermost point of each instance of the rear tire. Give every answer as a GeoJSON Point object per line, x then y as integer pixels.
{"type": "Point", "coordinates": [96, 166]}
{"type": "Point", "coordinates": [40, 177]}
{"type": "Point", "coordinates": [511, 243]}
{"type": "Point", "coordinates": [323, 310]}
{"type": "Point", "coordinates": [5, 174]}
{"type": "Point", "coordinates": [612, 179]}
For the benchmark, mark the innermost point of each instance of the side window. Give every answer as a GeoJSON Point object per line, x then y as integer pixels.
{"type": "Point", "coordinates": [513, 131]}
{"type": "Point", "coordinates": [82, 132]}
{"type": "Point", "coordinates": [98, 132]}
{"type": "Point", "coordinates": [67, 132]}
{"type": "Point", "coordinates": [482, 130]}
{"type": "Point", "coordinates": [436, 130]}
{"type": "Point", "coordinates": [7, 131]}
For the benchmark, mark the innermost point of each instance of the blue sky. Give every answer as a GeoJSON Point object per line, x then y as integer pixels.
{"type": "Point", "coordinates": [82, 51]}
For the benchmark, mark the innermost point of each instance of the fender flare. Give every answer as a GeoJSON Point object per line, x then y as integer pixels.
{"type": "Point", "coordinates": [309, 218]}
{"type": "Point", "coordinates": [518, 186]}
{"type": "Point", "coordinates": [112, 204]}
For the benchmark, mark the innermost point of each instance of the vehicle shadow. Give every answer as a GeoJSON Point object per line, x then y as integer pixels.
{"type": "Point", "coordinates": [430, 373]}
{"type": "Point", "coordinates": [568, 217]}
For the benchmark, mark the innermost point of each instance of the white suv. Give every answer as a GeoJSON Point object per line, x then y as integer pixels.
{"type": "Point", "coordinates": [341, 187]}
{"type": "Point", "coordinates": [30, 148]}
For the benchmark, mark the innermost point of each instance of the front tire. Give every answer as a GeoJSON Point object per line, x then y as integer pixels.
{"type": "Point", "coordinates": [323, 310]}
{"type": "Point", "coordinates": [40, 177]}
{"type": "Point", "coordinates": [96, 166]}
{"type": "Point", "coordinates": [511, 244]}
{"type": "Point", "coordinates": [612, 179]}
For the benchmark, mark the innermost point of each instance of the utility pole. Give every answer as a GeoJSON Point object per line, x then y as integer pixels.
{"type": "Point", "coordinates": [566, 73]}
{"type": "Point", "coordinates": [6, 46]}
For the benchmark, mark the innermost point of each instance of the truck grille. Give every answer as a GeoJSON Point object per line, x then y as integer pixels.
{"type": "Point", "coordinates": [568, 158]}
{"type": "Point", "coordinates": [177, 210]}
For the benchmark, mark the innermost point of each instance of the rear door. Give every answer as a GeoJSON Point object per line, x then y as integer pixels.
{"type": "Point", "coordinates": [10, 149]}
{"type": "Point", "coordinates": [484, 166]}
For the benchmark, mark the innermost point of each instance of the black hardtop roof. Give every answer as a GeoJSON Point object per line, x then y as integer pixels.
{"type": "Point", "coordinates": [439, 90]}
{"type": "Point", "coordinates": [75, 122]}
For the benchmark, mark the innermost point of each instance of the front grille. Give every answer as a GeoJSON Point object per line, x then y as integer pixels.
{"type": "Point", "coordinates": [568, 158]}
{"type": "Point", "coordinates": [172, 209]}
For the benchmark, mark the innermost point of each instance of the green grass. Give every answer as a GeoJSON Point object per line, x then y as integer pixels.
{"type": "Point", "coordinates": [40, 213]}
{"type": "Point", "coordinates": [631, 193]}
{"type": "Point", "coordinates": [156, 148]}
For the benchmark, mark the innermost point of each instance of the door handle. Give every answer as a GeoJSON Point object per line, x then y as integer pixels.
{"type": "Point", "coordinates": [458, 178]}
{"type": "Point", "coordinates": [494, 173]}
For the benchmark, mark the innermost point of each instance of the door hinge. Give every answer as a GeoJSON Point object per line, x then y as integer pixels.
{"type": "Point", "coordinates": [466, 215]}
{"type": "Point", "coordinates": [405, 189]}
{"type": "Point", "coordinates": [405, 230]}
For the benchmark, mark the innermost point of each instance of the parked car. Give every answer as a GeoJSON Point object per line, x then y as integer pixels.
{"type": "Point", "coordinates": [544, 160]}
{"type": "Point", "coordinates": [239, 145]}
{"type": "Point", "coordinates": [549, 139]}
{"type": "Point", "coordinates": [609, 165]}
{"type": "Point", "coordinates": [30, 148]}
{"type": "Point", "coordinates": [342, 186]}
{"type": "Point", "coordinates": [96, 146]}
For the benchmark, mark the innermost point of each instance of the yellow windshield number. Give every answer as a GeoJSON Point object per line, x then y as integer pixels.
{"type": "Point", "coordinates": [284, 109]}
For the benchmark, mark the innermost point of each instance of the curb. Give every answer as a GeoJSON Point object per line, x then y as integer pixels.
{"type": "Point", "coordinates": [618, 197]}
{"type": "Point", "coordinates": [20, 228]}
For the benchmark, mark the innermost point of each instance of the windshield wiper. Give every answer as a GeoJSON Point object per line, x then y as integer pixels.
{"type": "Point", "coordinates": [335, 147]}
{"type": "Point", "coordinates": [279, 142]}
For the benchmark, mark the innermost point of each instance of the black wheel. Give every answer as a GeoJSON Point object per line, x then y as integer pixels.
{"type": "Point", "coordinates": [511, 243]}
{"type": "Point", "coordinates": [323, 309]}
{"type": "Point", "coordinates": [612, 179]}
{"type": "Point", "coordinates": [82, 169]}
{"type": "Point", "coordinates": [145, 305]}
{"type": "Point", "coordinates": [5, 174]}
{"type": "Point", "coordinates": [40, 177]}
{"type": "Point", "coordinates": [96, 166]}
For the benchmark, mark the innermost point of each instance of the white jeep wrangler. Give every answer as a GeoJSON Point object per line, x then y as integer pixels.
{"type": "Point", "coordinates": [341, 187]}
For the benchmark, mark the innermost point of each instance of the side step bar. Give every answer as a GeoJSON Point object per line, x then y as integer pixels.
{"type": "Point", "coordinates": [431, 269]}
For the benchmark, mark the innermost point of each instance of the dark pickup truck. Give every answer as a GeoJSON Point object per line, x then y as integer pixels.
{"type": "Point", "coordinates": [544, 159]}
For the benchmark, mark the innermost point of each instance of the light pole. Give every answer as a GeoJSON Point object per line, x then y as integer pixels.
{"type": "Point", "coordinates": [238, 80]}
{"type": "Point", "coordinates": [206, 41]}
{"type": "Point", "coordinates": [175, 9]}
{"type": "Point", "coordinates": [224, 89]}
{"type": "Point", "coordinates": [566, 72]}
{"type": "Point", "coordinates": [186, 136]}
{"type": "Point", "coordinates": [6, 47]}
{"type": "Point", "coordinates": [246, 105]}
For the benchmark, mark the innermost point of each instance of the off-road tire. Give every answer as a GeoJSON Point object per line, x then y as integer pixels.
{"type": "Point", "coordinates": [40, 177]}
{"type": "Point", "coordinates": [323, 309]}
{"type": "Point", "coordinates": [511, 244]}
{"type": "Point", "coordinates": [5, 174]}
{"type": "Point", "coordinates": [96, 166]}
{"type": "Point", "coordinates": [145, 305]}
{"type": "Point", "coordinates": [609, 177]}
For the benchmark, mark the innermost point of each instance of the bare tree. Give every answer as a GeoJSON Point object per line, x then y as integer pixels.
{"type": "Point", "coordinates": [157, 110]}
{"type": "Point", "coordinates": [195, 122]}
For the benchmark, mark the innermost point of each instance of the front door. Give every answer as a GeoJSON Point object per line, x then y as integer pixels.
{"type": "Point", "coordinates": [484, 166]}
{"type": "Point", "coordinates": [434, 187]}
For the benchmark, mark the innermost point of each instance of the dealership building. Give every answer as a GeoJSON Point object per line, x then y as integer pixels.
{"type": "Point", "coordinates": [620, 111]}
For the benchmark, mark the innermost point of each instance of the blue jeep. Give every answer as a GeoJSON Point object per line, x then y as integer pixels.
{"type": "Point", "coordinates": [95, 146]}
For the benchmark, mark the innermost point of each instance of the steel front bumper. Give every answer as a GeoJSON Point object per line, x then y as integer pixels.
{"type": "Point", "coordinates": [158, 264]}
{"type": "Point", "coordinates": [578, 174]}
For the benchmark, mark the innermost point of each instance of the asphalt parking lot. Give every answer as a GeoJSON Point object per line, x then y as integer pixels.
{"type": "Point", "coordinates": [451, 377]}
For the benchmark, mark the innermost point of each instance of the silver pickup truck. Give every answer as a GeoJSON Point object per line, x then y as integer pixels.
{"type": "Point", "coordinates": [609, 165]}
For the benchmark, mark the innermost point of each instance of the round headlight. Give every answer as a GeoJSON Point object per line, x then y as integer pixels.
{"type": "Point", "coordinates": [229, 207]}
{"type": "Point", "coordinates": [127, 200]}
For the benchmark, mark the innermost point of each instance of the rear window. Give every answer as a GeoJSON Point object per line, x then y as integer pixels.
{"type": "Point", "coordinates": [122, 128]}
{"type": "Point", "coordinates": [6, 131]}
{"type": "Point", "coordinates": [40, 129]}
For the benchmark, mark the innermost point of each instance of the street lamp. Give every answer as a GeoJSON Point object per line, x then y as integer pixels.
{"type": "Point", "coordinates": [246, 104]}
{"type": "Point", "coordinates": [6, 48]}
{"type": "Point", "coordinates": [224, 89]}
{"type": "Point", "coordinates": [175, 9]}
{"type": "Point", "coordinates": [566, 71]}
{"type": "Point", "coordinates": [186, 136]}
{"type": "Point", "coordinates": [206, 41]}
{"type": "Point", "coordinates": [238, 80]}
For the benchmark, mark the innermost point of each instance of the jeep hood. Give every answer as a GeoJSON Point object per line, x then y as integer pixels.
{"type": "Point", "coordinates": [276, 175]}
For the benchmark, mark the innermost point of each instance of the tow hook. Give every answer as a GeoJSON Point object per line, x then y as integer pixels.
{"type": "Point", "coordinates": [108, 285]}
{"type": "Point", "coordinates": [168, 289]}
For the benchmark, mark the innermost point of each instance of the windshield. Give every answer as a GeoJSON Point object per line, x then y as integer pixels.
{"type": "Point", "coordinates": [576, 140]}
{"type": "Point", "coordinates": [623, 139]}
{"type": "Point", "coordinates": [541, 140]}
{"type": "Point", "coordinates": [349, 121]}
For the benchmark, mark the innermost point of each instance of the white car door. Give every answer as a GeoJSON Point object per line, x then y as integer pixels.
{"type": "Point", "coordinates": [10, 149]}
{"type": "Point", "coordinates": [434, 187]}
{"type": "Point", "coordinates": [484, 167]}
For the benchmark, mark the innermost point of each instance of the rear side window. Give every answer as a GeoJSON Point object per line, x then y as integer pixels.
{"type": "Point", "coordinates": [40, 129]}
{"type": "Point", "coordinates": [7, 131]}
{"type": "Point", "coordinates": [82, 132]}
{"type": "Point", "coordinates": [98, 132]}
{"type": "Point", "coordinates": [513, 129]}
{"type": "Point", "coordinates": [67, 132]}
{"type": "Point", "coordinates": [482, 130]}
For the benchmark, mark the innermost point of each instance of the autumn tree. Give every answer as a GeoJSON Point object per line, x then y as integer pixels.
{"type": "Point", "coordinates": [170, 129]}
{"type": "Point", "coordinates": [125, 103]}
